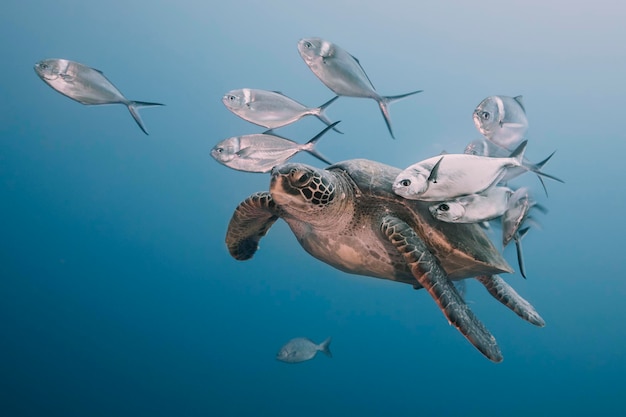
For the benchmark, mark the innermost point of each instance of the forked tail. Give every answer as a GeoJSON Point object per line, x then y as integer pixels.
{"type": "Point", "coordinates": [384, 103]}
{"type": "Point", "coordinates": [310, 145]}
{"type": "Point", "coordinates": [319, 112]}
{"type": "Point", "coordinates": [134, 106]}
{"type": "Point", "coordinates": [325, 347]}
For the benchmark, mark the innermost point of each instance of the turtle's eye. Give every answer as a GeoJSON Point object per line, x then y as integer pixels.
{"type": "Point", "coordinates": [299, 177]}
{"type": "Point", "coordinates": [308, 45]}
{"type": "Point", "coordinates": [304, 177]}
{"type": "Point", "coordinates": [405, 183]}
{"type": "Point", "coordinates": [219, 150]}
{"type": "Point", "coordinates": [485, 115]}
{"type": "Point", "coordinates": [43, 66]}
{"type": "Point", "coordinates": [444, 207]}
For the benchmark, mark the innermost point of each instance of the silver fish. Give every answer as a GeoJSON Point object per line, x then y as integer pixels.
{"type": "Point", "coordinates": [443, 178]}
{"type": "Point", "coordinates": [502, 120]}
{"type": "Point", "coordinates": [261, 152]}
{"type": "Point", "coordinates": [86, 85]}
{"type": "Point", "coordinates": [302, 349]}
{"type": "Point", "coordinates": [484, 147]}
{"type": "Point", "coordinates": [343, 74]}
{"type": "Point", "coordinates": [516, 212]}
{"type": "Point", "coordinates": [474, 208]}
{"type": "Point", "coordinates": [514, 217]}
{"type": "Point", "coordinates": [271, 109]}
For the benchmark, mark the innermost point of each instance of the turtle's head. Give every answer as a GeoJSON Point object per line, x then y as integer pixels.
{"type": "Point", "coordinates": [302, 189]}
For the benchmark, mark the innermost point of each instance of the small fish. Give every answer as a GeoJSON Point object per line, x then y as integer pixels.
{"type": "Point", "coordinates": [271, 109]}
{"type": "Point", "coordinates": [261, 152]}
{"type": "Point", "coordinates": [502, 120]}
{"type": "Point", "coordinates": [514, 217]}
{"type": "Point", "coordinates": [443, 178]}
{"type": "Point", "coordinates": [86, 85]}
{"type": "Point", "coordinates": [474, 208]}
{"type": "Point", "coordinates": [516, 213]}
{"type": "Point", "coordinates": [302, 349]}
{"type": "Point", "coordinates": [343, 74]}
{"type": "Point", "coordinates": [484, 147]}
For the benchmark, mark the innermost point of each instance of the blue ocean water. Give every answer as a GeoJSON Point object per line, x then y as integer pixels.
{"type": "Point", "coordinates": [118, 296]}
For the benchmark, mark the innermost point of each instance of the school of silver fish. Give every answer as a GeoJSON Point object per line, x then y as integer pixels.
{"type": "Point", "coordinates": [468, 187]}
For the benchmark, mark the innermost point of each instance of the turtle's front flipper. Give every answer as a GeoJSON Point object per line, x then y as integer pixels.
{"type": "Point", "coordinates": [250, 222]}
{"type": "Point", "coordinates": [431, 276]}
{"type": "Point", "coordinates": [504, 293]}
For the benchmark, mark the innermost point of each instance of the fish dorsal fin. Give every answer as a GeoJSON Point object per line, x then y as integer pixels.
{"type": "Point", "coordinates": [434, 171]}
{"type": "Point", "coordinates": [520, 102]}
{"type": "Point", "coordinates": [365, 73]}
{"type": "Point", "coordinates": [518, 153]}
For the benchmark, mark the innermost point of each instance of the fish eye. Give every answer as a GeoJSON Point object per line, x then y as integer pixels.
{"type": "Point", "coordinates": [485, 115]}
{"type": "Point", "coordinates": [444, 207]}
{"type": "Point", "coordinates": [405, 183]}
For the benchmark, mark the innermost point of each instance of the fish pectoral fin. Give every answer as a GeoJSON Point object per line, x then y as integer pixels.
{"type": "Point", "coordinates": [67, 77]}
{"type": "Point", "coordinates": [242, 153]}
{"type": "Point", "coordinates": [435, 171]}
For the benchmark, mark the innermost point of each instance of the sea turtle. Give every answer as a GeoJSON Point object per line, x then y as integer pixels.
{"type": "Point", "coordinates": [348, 216]}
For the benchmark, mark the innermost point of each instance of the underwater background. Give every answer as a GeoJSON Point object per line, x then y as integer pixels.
{"type": "Point", "coordinates": [118, 296]}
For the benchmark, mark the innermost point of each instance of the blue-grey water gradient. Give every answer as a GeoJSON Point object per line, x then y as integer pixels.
{"type": "Point", "coordinates": [118, 296]}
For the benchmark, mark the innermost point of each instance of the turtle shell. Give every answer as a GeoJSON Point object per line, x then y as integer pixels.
{"type": "Point", "coordinates": [463, 250]}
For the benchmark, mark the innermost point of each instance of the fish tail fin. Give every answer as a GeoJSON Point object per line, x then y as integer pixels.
{"type": "Point", "coordinates": [518, 249]}
{"type": "Point", "coordinates": [320, 114]}
{"type": "Point", "coordinates": [325, 347]}
{"type": "Point", "coordinates": [541, 208]}
{"type": "Point", "coordinates": [310, 145]}
{"type": "Point", "coordinates": [134, 106]}
{"type": "Point", "coordinates": [536, 168]}
{"type": "Point", "coordinates": [384, 103]}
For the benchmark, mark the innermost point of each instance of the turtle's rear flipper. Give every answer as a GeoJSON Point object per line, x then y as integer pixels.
{"type": "Point", "coordinates": [504, 293]}
{"type": "Point", "coordinates": [250, 222]}
{"type": "Point", "coordinates": [431, 276]}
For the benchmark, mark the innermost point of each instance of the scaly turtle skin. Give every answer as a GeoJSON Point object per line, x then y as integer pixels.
{"type": "Point", "coordinates": [348, 216]}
